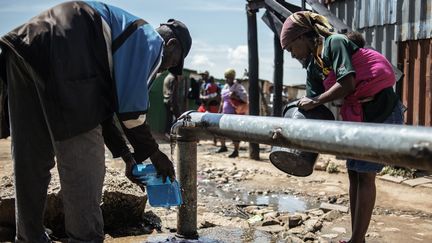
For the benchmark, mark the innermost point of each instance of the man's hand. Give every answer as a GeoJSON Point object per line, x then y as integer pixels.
{"type": "Point", "coordinates": [163, 165]}
{"type": "Point", "coordinates": [130, 162]}
{"type": "Point", "coordinates": [306, 103]}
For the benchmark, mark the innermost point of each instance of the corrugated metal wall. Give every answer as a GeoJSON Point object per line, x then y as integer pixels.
{"type": "Point", "coordinates": [413, 18]}
{"type": "Point", "coordinates": [402, 31]}
{"type": "Point", "coordinates": [416, 90]}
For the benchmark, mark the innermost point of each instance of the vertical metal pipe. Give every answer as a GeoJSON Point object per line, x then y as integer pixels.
{"type": "Point", "coordinates": [303, 5]}
{"type": "Point", "coordinates": [254, 99]}
{"type": "Point", "coordinates": [187, 176]}
{"type": "Point", "coordinates": [277, 77]}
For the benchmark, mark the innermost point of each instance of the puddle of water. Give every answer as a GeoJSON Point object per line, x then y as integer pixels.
{"type": "Point", "coordinates": [279, 201]}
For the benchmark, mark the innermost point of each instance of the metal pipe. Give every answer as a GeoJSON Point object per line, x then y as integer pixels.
{"type": "Point", "coordinates": [253, 74]}
{"type": "Point", "coordinates": [337, 23]}
{"type": "Point", "coordinates": [187, 176]}
{"type": "Point", "coordinates": [406, 146]}
{"type": "Point", "coordinates": [399, 145]}
{"type": "Point", "coordinates": [277, 77]}
{"type": "Point", "coordinates": [277, 7]}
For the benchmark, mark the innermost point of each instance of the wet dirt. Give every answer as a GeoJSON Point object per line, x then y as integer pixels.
{"type": "Point", "coordinates": [227, 187]}
{"type": "Point", "coordinates": [282, 202]}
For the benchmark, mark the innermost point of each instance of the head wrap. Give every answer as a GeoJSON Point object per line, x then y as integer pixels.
{"type": "Point", "coordinates": [302, 22]}
{"type": "Point", "coordinates": [230, 73]}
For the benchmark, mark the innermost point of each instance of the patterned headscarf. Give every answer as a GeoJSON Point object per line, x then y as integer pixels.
{"type": "Point", "coordinates": [300, 23]}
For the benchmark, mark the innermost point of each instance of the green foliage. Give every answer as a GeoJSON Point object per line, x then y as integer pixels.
{"type": "Point", "coordinates": [398, 171]}
{"type": "Point", "coordinates": [332, 168]}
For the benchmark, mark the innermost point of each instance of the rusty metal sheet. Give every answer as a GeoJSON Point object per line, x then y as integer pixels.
{"type": "Point", "coordinates": [415, 59]}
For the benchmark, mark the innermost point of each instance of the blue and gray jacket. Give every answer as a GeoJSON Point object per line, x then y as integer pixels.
{"type": "Point", "coordinates": [95, 60]}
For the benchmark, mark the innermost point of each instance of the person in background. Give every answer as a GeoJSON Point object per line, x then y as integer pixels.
{"type": "Point", "coordinates": [234, 95]}
{"type": "Point", "coordinates": [67, 70]}
{"type": "Point", "coordinates": [211, 96]}
{"type": "Point", "coordinates": [363, 78]}
{"type": "Point", "coordinates": [194, 91]}
{"type": "Point", "coordinates": [170, 101]}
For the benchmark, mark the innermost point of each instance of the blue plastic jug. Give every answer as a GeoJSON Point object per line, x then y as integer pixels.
{"type": "Point", "coordinates": [159, 194]}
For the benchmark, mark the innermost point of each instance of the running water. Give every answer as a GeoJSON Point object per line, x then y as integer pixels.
{"type": "Point", "coordinates": [173, 142]}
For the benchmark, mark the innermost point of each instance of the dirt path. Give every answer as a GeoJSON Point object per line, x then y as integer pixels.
{"type": "Point", "coordinates": [403, 214]}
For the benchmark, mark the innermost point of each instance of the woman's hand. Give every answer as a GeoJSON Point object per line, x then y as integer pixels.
{"type": "Point", "coordinates": [306, 103]}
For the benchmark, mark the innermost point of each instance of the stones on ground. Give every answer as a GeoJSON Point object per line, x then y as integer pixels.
{"type": "Point", "coordinates": [294, 220]}
{"type": "Point", "coordinates": [313, 225]}
{"type": "Point", "coordinates": [304, 216]}
{"type": "Point", "coordinates": [329, 236]}
{"type": "Point", "coordinates": [221, 180]}
{"type": "Point", "coordinates": [373, 235]}
{"type": "Point", "coordinates": [255, 219]}
{"type": "Point", "coordinates": [331, 215]}
{"type": "Point", "coordinates": [321, 165]}
{"type": "Point", "coordinates": [309, 237]}
{"type": "Point", "coordinates": [270, 222]}
{"type": "Point", "coordinates": [274, 229]}
{"type": "Point", "coordinates": [328, 207]}
{"type": "Point", "coordinates": [271, 215]}
{"type": "Point", "coordinates": [315, 212]}
{"type": "Point", "coordinates": [262, 211]}
{"type": "Point", "coordinates": [297, 230]}
{"type": "Point", "coordinates": [250, 209]}
{"type": "Point", "coordinates": [206, 224]}
{"type": "Point", "coordinates": [292, 239]}
{"type": "Point", "coordinates": [284, 218]}
{"type": "Point", "coordinates": [332, 199]}
{"type": "Point", "coordinates": [340, 230]}
{"type": "Point", "coordinates": [417, 181]}
{"type": "Point", "coordinates": [390, 229]}
{"type": "Point", "coordinates": [395, 179]}
{"type": "Point", "coordinates": [322, 240]}
{"type": "Point", "coordinates": [341, 200]}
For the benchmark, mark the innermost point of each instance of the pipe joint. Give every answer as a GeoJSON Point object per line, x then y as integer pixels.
{"type": "Point", "coordinates": [422, 150]}
{"type": "Point", "coordinates": [277, 133]}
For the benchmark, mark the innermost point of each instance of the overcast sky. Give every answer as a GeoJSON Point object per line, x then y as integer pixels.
{"type": "Point", "coordinates": [218, 29]}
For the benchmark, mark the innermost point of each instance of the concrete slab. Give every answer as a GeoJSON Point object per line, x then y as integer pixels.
{"type": "Point", "coordinates": [417, 181]}
{"type": "Point", "coordinates": [395, 179]}
{"type": "Point", "coordinates": [427, 185]}
{"type": "Point", "coordinates": [326, 207]}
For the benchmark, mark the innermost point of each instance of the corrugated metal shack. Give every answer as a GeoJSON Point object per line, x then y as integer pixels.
{"type": "Point", "coordinates": [402, 31]}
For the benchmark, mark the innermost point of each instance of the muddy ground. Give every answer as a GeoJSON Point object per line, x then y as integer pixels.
{"type": "Point", "coordinates": [242, 200]}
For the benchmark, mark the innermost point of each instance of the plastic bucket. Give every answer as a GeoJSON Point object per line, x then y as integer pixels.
{"type": "Point", "coordinates": [293, 161]}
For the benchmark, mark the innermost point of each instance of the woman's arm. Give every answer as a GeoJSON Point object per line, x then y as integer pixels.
{"type": "Point", "coordinates": [339, 90]}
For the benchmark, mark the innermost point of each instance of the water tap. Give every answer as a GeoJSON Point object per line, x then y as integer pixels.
{"type": "Point", "coordinates": [185, 120]}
